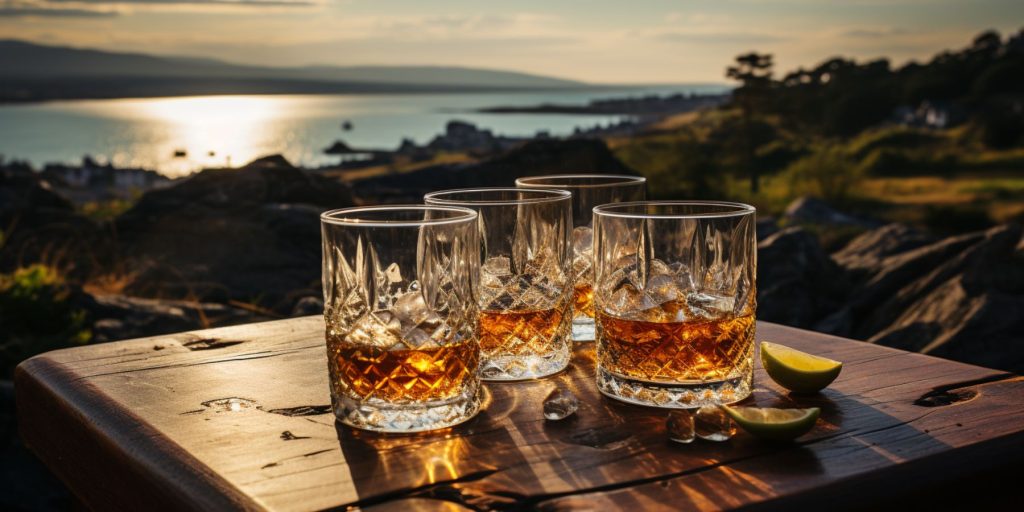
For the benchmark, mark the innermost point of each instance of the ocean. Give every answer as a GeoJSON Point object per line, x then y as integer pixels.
{"type": "Point", "coordinates": [181, 135]}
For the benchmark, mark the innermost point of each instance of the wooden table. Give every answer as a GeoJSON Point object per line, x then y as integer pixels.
{"type": "Point", "coordinates": [239, 417]}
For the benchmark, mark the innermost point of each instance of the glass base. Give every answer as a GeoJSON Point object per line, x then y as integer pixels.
{"type": "Point", "coordinates": [381, 416]}
{"type": "Point", "coordinates": [674, 395]}
{"type": "Point", "coordinates": [505, 368]}
{"type": "Point", "coordinates": [583, 329]}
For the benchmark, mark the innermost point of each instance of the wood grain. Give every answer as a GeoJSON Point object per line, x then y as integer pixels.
{"type": "Point", "coordinates": [239, 418]}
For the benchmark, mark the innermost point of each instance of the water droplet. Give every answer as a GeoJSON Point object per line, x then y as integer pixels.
{"type": "Point", "coordinates": [679, 426]}
{"type": "Point", "coordinates": [712, 423]}
{"type": "Point", "coordinates": [560, 404]}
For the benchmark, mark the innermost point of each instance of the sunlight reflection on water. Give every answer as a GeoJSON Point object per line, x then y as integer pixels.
{"type": "Point", "coordinates": [223, 130]}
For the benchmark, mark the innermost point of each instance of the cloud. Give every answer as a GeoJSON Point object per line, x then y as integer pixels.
{"type": "Point", "coordinates": [718, 37]}
{"type": "Point", "coordinates": [239, 3]}
{"type": "Point", "coordinates": [865, 33]}
{"type": "Point", "coordinates": [496, 25]}
{"type": "Point", "coordinates": [17, 12]}
{"type": "Point", "coordinates": [26, 9]}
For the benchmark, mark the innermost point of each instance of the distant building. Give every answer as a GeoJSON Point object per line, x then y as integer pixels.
{"type": "Point", "coordinates": [929, 114]}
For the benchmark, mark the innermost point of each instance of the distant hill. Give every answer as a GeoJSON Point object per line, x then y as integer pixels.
{"type": "Point", "coordinates": [38, 72]}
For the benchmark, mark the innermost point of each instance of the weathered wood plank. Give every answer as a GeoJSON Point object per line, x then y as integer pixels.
{"type": "Point", "coordinates": [241, 415]}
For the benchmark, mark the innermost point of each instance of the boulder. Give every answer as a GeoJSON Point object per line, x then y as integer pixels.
{"type": "Point", "coordinates": [811, 210]}
{"type": "Point", "coordinates": [251, 234]}
{"type": "Point", "coordinates": [766, 226]}
{"type": "Point", "coordinates": [542, 156]}
{"type": "Point", "coordinates": [308, 306]}
{"type": "Point", "coordinates": [38, 224]}
{"type": "Point", "coordinates": [969, 308]}
{"type": "Point", "coordinates": [797, 282]}
{"type": "Point", "coordinates": [961, 297]}
{"type": "Point", "coordinates": [867, 253]}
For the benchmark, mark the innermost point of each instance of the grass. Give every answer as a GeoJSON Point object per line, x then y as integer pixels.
{"type": "Point", "coordinates": [399, 166]}
{"type": "Point", "coordinates": [944, 180]}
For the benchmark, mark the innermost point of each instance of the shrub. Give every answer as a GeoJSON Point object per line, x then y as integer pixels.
{"type": "Point", "coordinates": [675, 168]}
{"type": "Point", "coordinates": [829, 173]}
{"type": "Point", "coordinates": [892, 138]}
{"type": "Point", "coordinates": [895, 162]}
{"type": "Point", "coordinates": [37, 314]}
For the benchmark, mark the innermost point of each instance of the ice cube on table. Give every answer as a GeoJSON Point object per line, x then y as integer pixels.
{"type": "Point", "coordinates": [679, 426]}
{"type": "Point", "coordinates": [712, 423]}
{"type": "Point", "coordinates": [560, 404]}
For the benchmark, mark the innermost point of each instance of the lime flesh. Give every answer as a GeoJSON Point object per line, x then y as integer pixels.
{"type": "Point", "coordinates": [798, 371]}
{"type": "Point", "coordinates": [774, 424]}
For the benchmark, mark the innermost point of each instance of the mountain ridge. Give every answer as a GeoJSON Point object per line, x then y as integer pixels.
{"type": "Point", "coordinates": [35, 72]}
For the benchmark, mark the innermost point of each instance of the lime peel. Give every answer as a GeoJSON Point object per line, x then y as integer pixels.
{"type": "Point", "coordinates": [774, 424]}
{"type": "Point", "coordinates": [798, 371]}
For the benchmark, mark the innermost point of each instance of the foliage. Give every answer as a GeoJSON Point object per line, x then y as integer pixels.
{"type": "Point", "coordinates": [107, 210]}
{"type": "Point", "coordinates": [674, 167]}
{"type": "Point", "coordinates": [829, 173]}
{"type": "Point", "coordinates": [754, 72]}
{"type": "Point", "coordinates": [842, 97]}
{"type": "Point", "coordinates": [894, 137]}
{"type": "Point", "coordinates": [37, 314]}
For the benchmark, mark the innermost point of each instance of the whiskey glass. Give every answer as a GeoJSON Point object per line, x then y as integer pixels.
{"type": "Point", "coordinates": [401, 317]}
{"type": "Point", "coordinates": [588, 191]}
{"type": "Point", "coordinates": [526, 285]}
{"type": "Point", "coordinates": [675, 295]}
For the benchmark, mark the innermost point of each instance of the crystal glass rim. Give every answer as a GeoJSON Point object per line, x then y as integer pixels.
{"type": "Point", "coordinates": [554, 196]}
{"type": "Point", "coordinates": [338, 216]}
{"type": "Point", "coordinates": [614, 180]}
{"type": "Point", "coordinates": [731, 210]}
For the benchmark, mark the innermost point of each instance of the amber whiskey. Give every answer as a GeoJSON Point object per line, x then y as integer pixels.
{"type": "Point", "coordinates": [521, 333]}
{"type": "Point", "coordinates": [583, 300]}
{"type": "Point", "coordinates": [700, 350]}
{"type": "Point", "coordinates": [402, 376]}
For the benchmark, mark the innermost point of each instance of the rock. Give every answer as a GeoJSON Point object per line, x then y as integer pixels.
{"type": "Point", "coordinates": [961, 297]}
{"type": "Point", "coordinates": [532, 158]}
{"type": "Point", "coordinates": [766, 226]}
{"type": "Point", "coordinates": [121, 317]}
{"type": "Point", "coordinates": [810, 210]}
{"type": "Point", "coordinates": [251, 234]}
{"type": "Point", "coordinates": [797, 282]}
{"type": "Point", "coordinates": [308, 306]}
{"type": "Point", "coordinates": [894, 273]}
{"type": "Point", "coordinates": [866, 254]}
{"type": "Point", "coordinates": [38, 224]}
{"type": "Point", "coordinates": [969, 308]}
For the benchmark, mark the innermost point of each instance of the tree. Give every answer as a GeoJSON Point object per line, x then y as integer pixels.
{"type": "Point", "coordinates": [754, 72]}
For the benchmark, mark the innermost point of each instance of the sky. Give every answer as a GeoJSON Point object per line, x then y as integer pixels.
{"type": "Point", "coordinates": [602, 41]}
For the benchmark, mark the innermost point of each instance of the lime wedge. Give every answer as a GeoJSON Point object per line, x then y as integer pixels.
{"type": "Point", "coordinates": [774, 424]}
{"type": "Point", "coordinates": [798, 371]}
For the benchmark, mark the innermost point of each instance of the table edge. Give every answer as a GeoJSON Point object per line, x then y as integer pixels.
{"type": "Point", "coordinates": [158, 467]}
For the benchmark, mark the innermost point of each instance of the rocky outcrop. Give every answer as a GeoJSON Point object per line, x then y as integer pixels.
{"type": "Point", "coordinates": [251, 234]}
{"type": "Point", "coordinates": [868, 254]}
{"type": "Point", "coordinates": [960, 297]}
{"type": "Point", "coordinates": [797, 282]}
{"type": "Point", "coordinates": [533, 158]}
{"type": "Point", "coordinates": [37, 224]}
{"type": "Point", "coordinates": [811, 210]}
